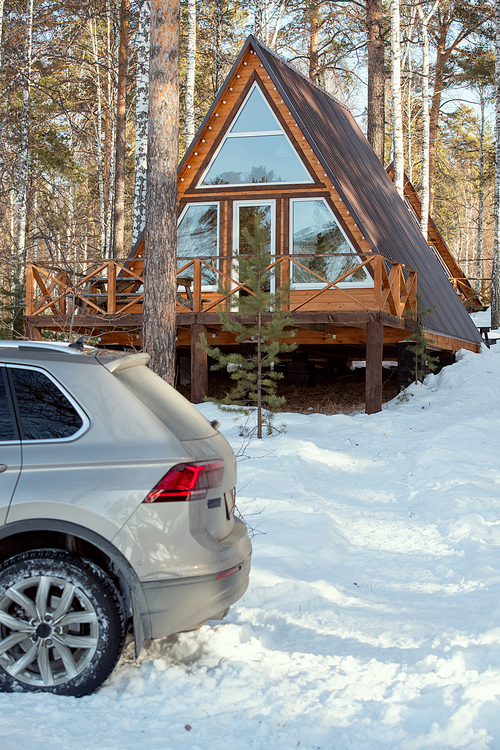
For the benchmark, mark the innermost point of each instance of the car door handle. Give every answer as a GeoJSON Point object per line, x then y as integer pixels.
{"type": "Point", "coordinates": [3, 467]}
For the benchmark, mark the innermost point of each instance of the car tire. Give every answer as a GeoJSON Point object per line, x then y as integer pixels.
{"type": "Point", "coordinates": [62, 625]}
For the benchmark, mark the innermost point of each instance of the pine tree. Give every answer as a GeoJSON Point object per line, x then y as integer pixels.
{"type": "Point", "coordinates": [255, 376]}
{"type": "Point", "coordinates": [422, 361]}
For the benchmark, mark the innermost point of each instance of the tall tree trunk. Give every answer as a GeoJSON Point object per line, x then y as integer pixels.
{"type": "Point", "coordinates": [376, 77]}
{"type": "Point", "coordinates": [98, 129]}
{"type": "Point", "coordinates": [314, 25]}
{"type": "Point", "coordinates": [190, 71]}
{"type": "Point", "coordinates": [495, 276]}
{"type": "Point", "coordinates": [480, 216]}
{"type": "Point", "coordinates": [1, 33]}
{"type": "Point", "coordinates": [426, 142]}
{"type": "Point", "coordinates": [141, 120]}
{"type": "Point", "coordinates": [24, 153]}
{"type": "Point", "coordinates": [218, 46]}
{"type": "Point", "coordinates": [258, 20]}
{"type": "Point", "coordinates": [397, 112]}
{"type": "Point", "coordinates": [159, 313]}
{"type": "Point", "coordinates": [121, 133]}
{"type": "Point", "coordinates": [434, 118]}
{"type": "Point", "coordinates": [424, 212]}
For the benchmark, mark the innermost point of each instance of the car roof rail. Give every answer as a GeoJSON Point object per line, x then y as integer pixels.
{"type": "Point", "coordinates": [58, 346]}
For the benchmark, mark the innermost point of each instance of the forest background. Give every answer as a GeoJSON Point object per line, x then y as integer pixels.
{"type": "Point", "coordinates": [419, 78]}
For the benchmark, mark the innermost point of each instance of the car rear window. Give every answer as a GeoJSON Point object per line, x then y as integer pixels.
{"type": "Point", "coordinates": [176, 413]}
{"type": "Point", "coordinates": [45, 412]}
{"type": "Point", "coordinates": [7, 429]}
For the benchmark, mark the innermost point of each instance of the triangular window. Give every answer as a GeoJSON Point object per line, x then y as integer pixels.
{"type": "Point", "coordinates": [320, 246]}
{"type": "Point", "coordinates": [255, 150]}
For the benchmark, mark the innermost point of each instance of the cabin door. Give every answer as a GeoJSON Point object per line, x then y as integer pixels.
{"type": "Point", "coordinates": [254, 220]}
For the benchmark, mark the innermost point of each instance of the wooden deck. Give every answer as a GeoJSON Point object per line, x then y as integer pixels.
{"type": "Point", "coordinates": [104, 299]}
{"type": "Point", "coordinates": [112, 290]}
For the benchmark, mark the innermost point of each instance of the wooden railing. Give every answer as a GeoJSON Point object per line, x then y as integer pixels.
{"type": "Point", "coordinates": [112, 287]}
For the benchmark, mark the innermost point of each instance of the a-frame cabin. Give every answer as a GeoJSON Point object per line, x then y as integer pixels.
{"type": "Point", "coordinates": [276, 146]}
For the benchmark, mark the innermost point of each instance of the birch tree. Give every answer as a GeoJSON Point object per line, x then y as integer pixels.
{"type": "Point", "coordinates": [159, 316]}
{"type": "Point", "coordinates": [480, 216]}
{"type": "Point", "coordinates": [424, 215]}
{"type": "Point", "coordinates": [24, 151]}
{"type": "Point", "coordinates": [190, 71]}
{"type": "Point", "coordinates": [121, 133]}
{"type": "Point", "coordinates": [397, 112]}
{"type": "Point", "coordinates": [141, 120]}
{"type": "Point", "coordinates": [495, 279]}
{"type": "Point", "coordinates": [98, 138]}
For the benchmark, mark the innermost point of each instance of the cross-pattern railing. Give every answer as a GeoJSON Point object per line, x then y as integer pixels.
{"type": "Point", "coordinates": [112, 287]}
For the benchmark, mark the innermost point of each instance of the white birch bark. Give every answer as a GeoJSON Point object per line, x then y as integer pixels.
{"type": "Point", "coordinates": [495, 311]}
{"type": "Point", "coordinates": [141, 120]}
{"type": "Point", "coordinates": [480, 216]}
{"type": "Point", "coordinates": [98, 129]}
{"type": "Point", "coordinates": [35, 226]}
{"type": "Point", "coordinates": [424, 212]}
{"type": "Point", "coordinates": [274, 39]}
{"type": "Point", "coordinates": [1, 33]}
{"type": "Point", "coordinates": [112, 56]}
{"type": "Point", "coordinates": [218, 46]}
{"type": "Point", "coordinates": [24, 145]}
{"type": "Point", "coordinates": [259, 20]}
{"type": "Point", "coordinates": [190, 70]}
{"type": "Point", "coordinates": [397, 112]}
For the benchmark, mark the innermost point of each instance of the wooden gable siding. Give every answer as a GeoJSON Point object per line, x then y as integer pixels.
{"type": "Point", "coordinates": [228, 102]}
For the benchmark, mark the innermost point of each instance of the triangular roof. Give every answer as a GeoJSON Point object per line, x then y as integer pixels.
{"type": "Point", "coordinates": [382, 223]}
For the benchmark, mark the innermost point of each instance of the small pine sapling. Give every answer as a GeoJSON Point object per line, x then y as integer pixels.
{"type": "Point", "coordinates": [255, 375]}
{"type": "Point", "coordinates": [422, 360]}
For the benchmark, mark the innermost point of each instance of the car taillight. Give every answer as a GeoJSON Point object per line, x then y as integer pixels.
{"type": "Point", "coordinates": [187, 482]}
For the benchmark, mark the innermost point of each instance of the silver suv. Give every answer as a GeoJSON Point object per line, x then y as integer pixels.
{"type": "Point", "coordinates": [116, 515]}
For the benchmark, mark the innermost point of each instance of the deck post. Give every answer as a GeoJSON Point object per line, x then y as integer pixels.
{"type": "Point", "coordinates": [199, 366]}
{"type": "Point", "coordinates": [33, 333]}
{"type": "Point", "coordinates": [374, 353]}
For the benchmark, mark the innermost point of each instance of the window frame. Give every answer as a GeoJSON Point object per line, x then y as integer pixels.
{"type": "Point", "coordinates": [204, 287]}
{"type": "Point", "coordinates": [271, 202]}
{"type": "Point", "coordinates": [279, 131]}
{"type": "Point", "coordinates": [368, 284]}
{"type": "Point", "coordinates": [81, 413]}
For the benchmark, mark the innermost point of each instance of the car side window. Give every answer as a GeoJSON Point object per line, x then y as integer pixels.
{"type": "Point", "coordinates": [45, 413]}
{"type": "Point", "coordinates": [7, 427]}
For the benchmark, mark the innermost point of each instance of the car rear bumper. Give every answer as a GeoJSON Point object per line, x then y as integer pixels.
{"type": "Point", "coordinates": [184, 603]}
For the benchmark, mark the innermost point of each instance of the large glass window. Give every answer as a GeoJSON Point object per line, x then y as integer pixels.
{"type": "Point", "coordinates": [198, 237]}
{"type": "Point", "coordinates": [255, 150]}
{"type": "Point", "coordinates": [7, 429]}
{"type": "Point", "coordinates": [46, 413]}
{"type": "Point", "coordinates": [319, 244]}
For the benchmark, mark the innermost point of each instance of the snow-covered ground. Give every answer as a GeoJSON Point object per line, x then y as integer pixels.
{"type": "Point", "coordinates": [372, 619]}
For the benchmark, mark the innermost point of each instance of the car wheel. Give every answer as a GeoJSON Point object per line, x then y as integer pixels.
{"type": "Point", "coordinates": [62, 626]}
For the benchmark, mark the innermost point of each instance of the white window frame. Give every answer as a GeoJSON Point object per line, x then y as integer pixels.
{"type": "Point", "coordinates": [236, 230]}
{"type": "Point", "coordinates": [204, 287]}
{"type": "Point", "coordinates": [279, 131]}
{"type": "Point", "coordinates": [368, 284]}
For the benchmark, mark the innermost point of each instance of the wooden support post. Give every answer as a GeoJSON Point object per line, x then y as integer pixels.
{"type": "Point", "coordinates": [374, 352]}
{"type": "Point", "coordinates": [111, 287]}
{"type": "Point", "coordinates": [199, 366]}
{"type": "Point", "coordinates": [197, 289]}
{"type": "Point", "coordinates": [30, 290]}
{"type": "Point", "coordinates": [32, 332]}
